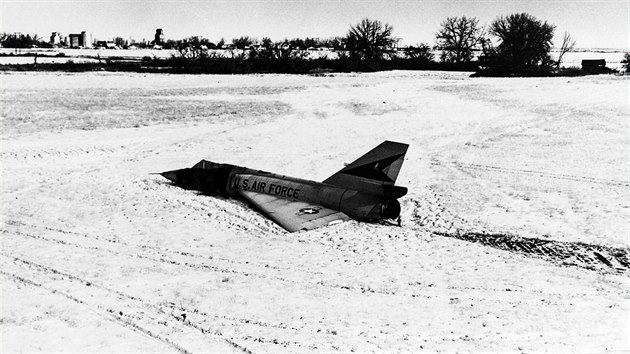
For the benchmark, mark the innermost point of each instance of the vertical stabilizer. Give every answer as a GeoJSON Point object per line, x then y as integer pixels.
{"type": "Point", "coordinates": [373, 172]}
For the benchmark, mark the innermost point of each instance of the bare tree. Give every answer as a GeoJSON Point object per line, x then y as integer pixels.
{"type": "Point", "coordinates": [370, 39]}
{"type": "Point", "coordinates": [458, 37]}
{"type": "Point", "coordinates": [567, 46]}
{"type": "Point", "coordinates": [419, 52]}
{"type": "Point", "coordinates": [525, 42]}
{"type": "Point", "coordinates": [243, 42]}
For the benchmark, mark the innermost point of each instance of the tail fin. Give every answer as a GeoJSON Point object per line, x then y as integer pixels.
{"type": "Point", "coordinates": [374, 172]}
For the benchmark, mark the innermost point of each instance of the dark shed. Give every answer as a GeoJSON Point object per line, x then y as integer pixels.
{"type": "Point", "coordinates": [594, 66]}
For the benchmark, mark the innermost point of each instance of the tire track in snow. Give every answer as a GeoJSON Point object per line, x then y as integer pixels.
{"type": "Point", "coordinates": [130, 310]}
{"type": "Point", "coordinates": [593, 257]}
{"type": "Point", "coordinates": [164, 256]}
{"type": "Point", "coordinates": [113, 246]}
{"type": "Point", "coordinates": [543, 174]}
{"type": "Point", "coordinates": [260, 271]}
{"type": "Point", "coordinates": [504, 130]}
{"type": "Point", "coordinates": [158, 321]}
{"type": "Point", "coordinates": [118, 317]}
{"type": "Point", "coordinates": [189, 259]}
{"type": "Point", "coordinates": [53, 152]}
{"type": "Point", "coordinates": [429, 214]}
{"type": "Point", "coordinates": [135, 148]}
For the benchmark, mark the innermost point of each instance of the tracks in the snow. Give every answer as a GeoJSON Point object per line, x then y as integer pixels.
{"type": "Point", "coordinates": [114, 246]}
{"type": "Point", "coordinates": [172, 324]}
{"type": "Point", "coordinates": [127, 311]}
{"type": "Point", "coordinates": [430, 215]}
{"type": "Point", "coordinates": [65, 153]}
{"type": "Point", "coordinates": [158, 318]}
{"type": "Point", "coordinates": [594, 257]}
{"type": "Point", "coordinates": [542, 174]}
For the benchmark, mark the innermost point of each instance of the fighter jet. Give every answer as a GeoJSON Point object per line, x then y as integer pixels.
{"type": "Point", "coordinates": [363, 190]}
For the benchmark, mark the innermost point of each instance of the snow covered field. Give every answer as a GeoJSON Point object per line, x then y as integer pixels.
{"type": "Point", "coordinates": [515, 229]}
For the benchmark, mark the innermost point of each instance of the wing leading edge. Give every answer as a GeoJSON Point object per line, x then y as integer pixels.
{"type": "Point", "coordinates": [294, 215]}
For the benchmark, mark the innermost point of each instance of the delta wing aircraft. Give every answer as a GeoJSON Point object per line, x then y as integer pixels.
{"type": "Point", "coordinates": [364, 190]}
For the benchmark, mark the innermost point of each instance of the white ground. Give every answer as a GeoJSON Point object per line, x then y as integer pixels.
{"type": "Point", "coordinates": [99, 256]}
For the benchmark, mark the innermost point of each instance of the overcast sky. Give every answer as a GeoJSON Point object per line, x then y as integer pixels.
{"type": "Point", "coordinates": [601, 23]}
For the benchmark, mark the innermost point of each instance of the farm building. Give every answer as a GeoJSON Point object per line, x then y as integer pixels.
{"type": "Point", "coordinates": [78, 40]}
{"type": "Point", "coordinates": [594, 66]}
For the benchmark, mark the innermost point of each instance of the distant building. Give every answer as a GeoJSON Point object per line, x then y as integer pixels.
{"type": "Point", "coordinates": [159, 37]}
{"type": "Point", "coordinates": [55, 39]}
{"type": "Point", "coordinates": [594, 66]}
{"type": "Point", "coordinates": [78, 40]}
{"type": "Point", "coordinates": [106, 45]}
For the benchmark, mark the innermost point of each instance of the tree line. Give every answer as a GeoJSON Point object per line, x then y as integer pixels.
{"type": "Point", "coordinates": [19, 40]}
{"type": "Point", "coordinates": [517, 44]}
{"type": "Point", "coordinates": [524, 43]}
{"type": "Point", "coordinates": [514, 44]}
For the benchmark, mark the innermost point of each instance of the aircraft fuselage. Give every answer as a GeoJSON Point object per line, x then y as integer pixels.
{"type": "Point", "coordinates": [357, 205]}
{"type": "Point", "coordinates": [363, 190]}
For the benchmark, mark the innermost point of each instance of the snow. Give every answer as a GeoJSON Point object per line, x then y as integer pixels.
{"type": "Point", "coordinates": [517, 187]}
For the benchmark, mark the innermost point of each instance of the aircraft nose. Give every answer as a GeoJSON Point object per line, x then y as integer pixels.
{"type": "Point", "coordinates": [170, 175]}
